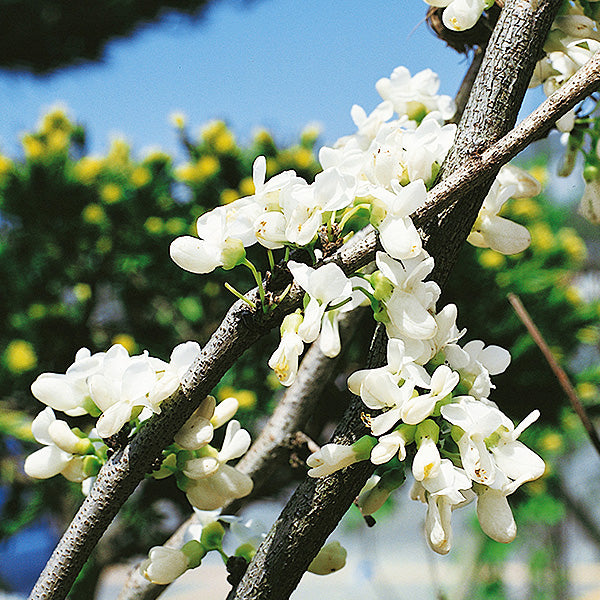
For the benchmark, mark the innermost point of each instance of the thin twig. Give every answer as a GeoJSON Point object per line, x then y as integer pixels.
{"type": "Point", "coordinates": [561, 376]}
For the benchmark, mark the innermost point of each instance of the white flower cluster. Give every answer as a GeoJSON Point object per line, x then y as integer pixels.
{"type": "Point", "coordinates": [464, 446]}
{"type": "Point", "coordinates": [573, 40]}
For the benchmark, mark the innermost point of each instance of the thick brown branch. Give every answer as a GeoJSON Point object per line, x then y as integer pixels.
{"type": "Point", "coordinates": [559, 372]}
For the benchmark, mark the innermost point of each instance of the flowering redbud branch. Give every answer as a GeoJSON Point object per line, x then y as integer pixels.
{"type": "Point", "coordinates": [559, 372]}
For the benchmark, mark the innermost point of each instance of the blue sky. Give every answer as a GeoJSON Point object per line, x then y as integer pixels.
{"type": "Point", "coordinates": [274, 63]}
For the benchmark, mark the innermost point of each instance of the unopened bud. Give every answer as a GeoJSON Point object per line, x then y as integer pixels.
{"type": "Point", "coordinates": [331, 558]}
{"type": "Point", "coordinates": [212, 535]}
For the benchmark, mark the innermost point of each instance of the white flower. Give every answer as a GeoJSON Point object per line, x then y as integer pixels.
{"type": "Point", "coordinates": [197, 431]}
{"type": "Point", "coordinates": [415, 96]}
{"type": "Point", "coordinates": [392, 444]}
{"type": "Point", "coordinates": [164, 565]}
{"type": "Point", "coordinates": [223, 233]}
{"type": "Point", "coordinates": [399, 237]}
{"type": "Point", "coordinates": [476, 363]}
{"type": "Point", "coordinates": [331, 558]}
{"type": "Point", "coordinates": [61, 453]}
{"type": "Point", "coordinates": [69, 393]}
{"type": "Point", "coordinates": [284, 361]}
{"type": "Point", "coordinates": [324, 285]}
{"type": "Point", "coordinates": [333, 457]}
{"type": "Point", "coordinates": [411, 300]}
{"type": "Point", "coordinates": [212, 483]}
{"type": "Point", "coordinates": [590, 202]}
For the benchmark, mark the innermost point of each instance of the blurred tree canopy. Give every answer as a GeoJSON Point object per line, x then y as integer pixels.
{"type": "Point", "coordinates": [44, 35]}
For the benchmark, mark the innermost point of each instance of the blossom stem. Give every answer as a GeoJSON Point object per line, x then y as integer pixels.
{"type": "Point", "coordinates": [239, 295]}
{"type": "Point", "coordinates": [271, 259]}
{"type": "Point", "coordinates": [258, 278]}
{"type": "Point", "coordinates": [338, 305]}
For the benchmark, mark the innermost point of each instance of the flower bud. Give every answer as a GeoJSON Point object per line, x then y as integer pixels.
{"type": "Point", "coordinates": [60, 433]}
{"type": "Point", "coordinates": [164, 565]}
{"type": "Point", "coordinates": [331, 558]}
{"type": "Point", "coordinates": [197, 430]}
{"type": "Point", "coordinates": [246, 551]}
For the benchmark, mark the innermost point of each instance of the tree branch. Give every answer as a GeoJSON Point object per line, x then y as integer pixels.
{"type": "Point", "coordinates": [559, 372]}
{"type": "Point", "coordinates": [315, 509]}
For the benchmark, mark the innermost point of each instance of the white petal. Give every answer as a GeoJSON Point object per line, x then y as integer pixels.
{"type": "Point", "coordinates": [495, 516]}
{"type": "Point", "coordinates": [46, 463]}
{"type": "Point", "coordinates": [195, 255]}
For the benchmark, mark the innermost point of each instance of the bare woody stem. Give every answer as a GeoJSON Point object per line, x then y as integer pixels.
{"type": "Point", "coordinates": [242, 327]}
{"type": "Point", "coordinates": [559, 372]}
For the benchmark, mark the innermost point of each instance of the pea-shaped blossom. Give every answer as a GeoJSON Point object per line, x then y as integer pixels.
{"type": "Point", "coordinates": [284, 361]}
{"type": "Point", "coordinates": [408, 308]}
{"type": "Point", "coordinates": [325, 285]}
{"type": "Point", "coordinates": [223, 233]}
{"type": "Point", "coordinates": [211, 482]}
{"type": "Point", "coordinates": [415, 96]}
{"type": "Point", "coordinates": [62, 451]}
{"type": "Point", "coordinates": [69, 392]}
{"type": "Point", "coordinates": [197, 431]}
{"type": "Point", "coordinates": [460, 15]}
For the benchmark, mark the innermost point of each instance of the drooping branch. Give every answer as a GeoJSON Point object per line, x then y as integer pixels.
{"type": "Point", "coordinates": [315, 509]}
{"type": "Point", "coordinates": [271, 448]}
{"type": "Point", "coordinates": [241, 327]}
{"type": "Point", "coordinates": [559, 372]}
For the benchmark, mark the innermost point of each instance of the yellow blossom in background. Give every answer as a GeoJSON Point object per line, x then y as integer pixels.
{"type": "Point", "coordinates": [32, 146]}
{"type": "Point", "coordinates": [262, 136]}
{"type": "Point", "coordinates": [490, 259]}
{"type": "Point", "coordinates": [140, 176]}
{"type": "Point", "coordinates": [586, 390]}
{"type": "Point", "coordinates": [589, 335]}
{"type": "Point", "coordinates": [36, 311]}
{"type": "Point", "coordinates": [154, 225]}
{"type": "Point", "coordinates": [56, 120]}
{"type": "Point", "coordinates": [157, 155]}
{"type": "Point", "coordinates": [212, 129]}
{"type": "Point", "coordinates": [197, 172]}
{"type": "Point", "coordinates": [572, 295]}
{"type": "Point", "coordinates": [104, 244]}
{"type": "Point", "coordinates": [126, 341]}
{"type": "Point", "coordinates": [224, 142]}
{"type": "Point", "coordinates": [177, 119]}
{"type": "Point", "coordinates": [247, 186]}
{"type": "Point", "coordinates": [93, 214]}
{"type": "Point", "coordinates": [228, 195]}
{"type": "Point", "coordinates": [176, 226]}
{"type": "Point", "coordinates": [525, 207]}
{"type": "Point", "coordinates": [541, 236]}
{"type": "Point", "coordinates": [302, 157]}
{"type": "Point", "coordinates": [540, 173]}
{"type": "Point", "coordinates": [5, 165]}
{"type": "Point", "coordinates": [272, 166]}
{"type": "Point", "coordinates": [552, 442]}
{"type": "Point", "coordinates": [536, 488]}
{"type": "Point", "coordinates": [572, 243]}
{"type": "Point", "coordinates": [58, 141]}
{"type": "Point", "coordinates": [310, 133]}
{"type": "Point", "coordinates": [246, 398]}
{"type": "Point", "coordinates": [20, 356]}
{"type": "Point", "coordinates": [111, 193]}
{"type": "Point", "coordinates": [82, 291]}
{"type": "Point", "coordinates": [118, 154]}
{"type": "Point", "coordinates": [88, 168]}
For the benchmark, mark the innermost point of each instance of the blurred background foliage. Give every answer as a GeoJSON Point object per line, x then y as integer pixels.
{"type": "Point", "coordinates": [84, 262]}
